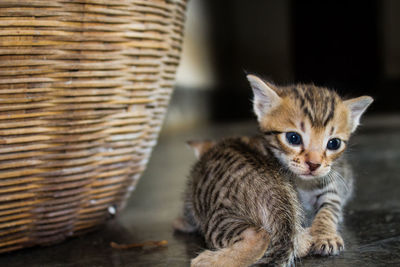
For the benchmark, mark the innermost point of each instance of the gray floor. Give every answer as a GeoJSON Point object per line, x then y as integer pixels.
{"type": "Point", "coordinates": [371, 229]}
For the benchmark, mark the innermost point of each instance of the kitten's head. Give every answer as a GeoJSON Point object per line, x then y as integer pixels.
{"type": "Point", "coordinates": [307, 127]}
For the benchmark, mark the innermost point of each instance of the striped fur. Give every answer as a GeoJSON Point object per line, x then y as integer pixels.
{"type": "Point", "coordinates": [243, 192]}
{"type": "Point", "coordinates": [237, 186]}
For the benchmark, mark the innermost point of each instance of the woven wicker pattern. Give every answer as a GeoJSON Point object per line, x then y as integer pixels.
{"type": "Point", "coordinates": [84, 86]}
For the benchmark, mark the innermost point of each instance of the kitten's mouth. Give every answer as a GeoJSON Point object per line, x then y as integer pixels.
{"type": "Point", "coordinates": [312, 175]}
{"type": "Point", "coordinates": [302, 173]}
{"type": "Point", "coordinates": [307, 175]}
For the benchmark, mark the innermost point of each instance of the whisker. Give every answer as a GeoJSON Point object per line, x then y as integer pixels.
{"type": "Point", "coordinates": [338, 177]}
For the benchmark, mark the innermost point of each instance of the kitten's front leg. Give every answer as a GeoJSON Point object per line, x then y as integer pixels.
{"type": "Point", "coordinates": [325, 237]}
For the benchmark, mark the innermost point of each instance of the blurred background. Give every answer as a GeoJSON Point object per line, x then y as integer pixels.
{"type": "Point", "coordinates": [350, 46]}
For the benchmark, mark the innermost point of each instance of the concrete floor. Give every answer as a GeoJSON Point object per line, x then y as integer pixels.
{"type": "Point", "coordinates": [371, 229]}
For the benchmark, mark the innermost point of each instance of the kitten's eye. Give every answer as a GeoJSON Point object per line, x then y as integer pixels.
{"type": "Point", "coordinates": [293, 138]}
{"type": "Point", "coordinates": [333, 144]}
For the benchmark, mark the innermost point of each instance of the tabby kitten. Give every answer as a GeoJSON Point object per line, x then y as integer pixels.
{"type": "Point", "coordinates": [242, 192]}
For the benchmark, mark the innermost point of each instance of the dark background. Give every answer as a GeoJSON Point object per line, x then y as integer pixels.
{"type": "Point", "coordinates": [350, 46]}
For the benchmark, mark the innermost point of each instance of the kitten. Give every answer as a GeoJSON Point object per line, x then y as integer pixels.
{"type": "Point", "coordinates": [240, 194]}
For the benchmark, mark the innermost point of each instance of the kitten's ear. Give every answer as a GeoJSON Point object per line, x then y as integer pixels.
{"type": "Point", "coordinates": [265, 98]}
{"type": "Point", "coordinates": [357, 106]}
{"type": "Point", "coordinates": [200, 147]}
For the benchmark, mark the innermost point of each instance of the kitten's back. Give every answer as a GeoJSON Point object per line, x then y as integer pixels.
{"type": "Point", "coordinates": [234, 187]}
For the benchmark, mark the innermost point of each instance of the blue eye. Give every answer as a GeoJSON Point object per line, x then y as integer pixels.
{"type": "Point", "coordinates": [333, 144]}
{"type": "Point", "coordinates": [293, 138]}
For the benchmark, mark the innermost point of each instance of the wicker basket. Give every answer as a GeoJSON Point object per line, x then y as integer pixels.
{"type": "Point", "coordinates": [84, 86]}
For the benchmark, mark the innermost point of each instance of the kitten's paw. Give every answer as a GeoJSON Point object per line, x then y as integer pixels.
{"type": "Point", "coordinates": [327, 244]}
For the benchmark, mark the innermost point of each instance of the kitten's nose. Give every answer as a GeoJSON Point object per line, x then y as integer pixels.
{"type": "Point", "coordinates": [313, 166]}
